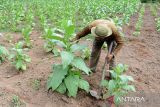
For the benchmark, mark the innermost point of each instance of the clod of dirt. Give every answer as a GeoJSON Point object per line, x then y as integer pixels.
{"type": "Point", "coordinates": [94, 94]}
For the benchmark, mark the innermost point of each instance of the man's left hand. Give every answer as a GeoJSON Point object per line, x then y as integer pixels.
{"type": "Point", "coordinates": [109, 57]}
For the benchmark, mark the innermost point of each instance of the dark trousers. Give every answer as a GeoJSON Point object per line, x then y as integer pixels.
{"type": "Point", "coordinates": [96, 51]}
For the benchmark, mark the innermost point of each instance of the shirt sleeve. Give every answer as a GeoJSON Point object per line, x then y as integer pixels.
{"type": "Point", "coordinates": [85, 31]}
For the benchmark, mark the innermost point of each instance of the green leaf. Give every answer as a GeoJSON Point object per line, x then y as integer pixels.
{"type": "Point", "coordinates": [19, 64]}
{"type": "Point", "coordinates": [71, 83]}
{"type": "Point", "coordinates": [3, 50]}
{"type": "Point", "coordinates": [84, 85]}
{"type": "Point", "coordinates": [113, 74]}
{"type": "Point", "coordinates": [67, 58]}
{"type": "Point", "coordinates": [120, 68]}
{"type": "Point", "coordinates": [56, 77]}
{"type": "Point", "coordinates": [111, 85]}
{"type": "Point", "coordinates": [27, 58]}
{"type": "Point", "coordinates": [129, 88]}
{"type": "Point", "coordinates": [80, 64]}
{"type": "Point", "coordinates": [60, 43]}
{"type": "Point", "coordinates": [23, 67]}
{"type": "Point", "coordinates": [56, 52]}
{"type": "Point", "coordinates": [69, 28]}
{"type": "Point", "coordinates": [77, 47]}
{"type": "Point", "coordinates": [126, 78]}
{"type": "Point", "coordinates": [104, 83]}
{"type": "Point", "coordinates": [55, 38]}
{"type": "Point", "coordinates": [62, 88]}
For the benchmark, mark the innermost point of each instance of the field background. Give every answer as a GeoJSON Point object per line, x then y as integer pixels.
{"type": "Point", "coordinates": [141, 50]}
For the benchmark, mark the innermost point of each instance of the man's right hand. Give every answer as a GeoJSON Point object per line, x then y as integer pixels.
{"type": "Point", "coordinates": [74, 40]}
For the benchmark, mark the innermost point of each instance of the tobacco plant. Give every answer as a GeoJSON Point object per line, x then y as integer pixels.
{"type": "Point", "coordinates": [26, 32]}
{"type": "Point", "coordinates": [86, 53]}
{"type": "Point", "coordinates": [3, 53]}
{"type": "Point", "coordinates": [158, 24]}
{"type": "Point", "coordinates": [119, 85]}
{"type": "Point", "coordinates": [18, 58]}
{"type": "Point", "coordinates": [140, 22]}
{"type": "Point", "coordinates": [66, 77]}
{"type": "Point", "coordinates": [50, 44]}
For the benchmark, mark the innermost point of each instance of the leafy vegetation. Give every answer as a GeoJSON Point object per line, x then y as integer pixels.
{"type": "Point", "coordinates": [50, 18]}
{"type": "Point", "coordinates": [16, 15]}
{"type": "Point", "coordinates": [36, 84]}
{"type": "Point", "coordinates": [158, 24]}
{"type": "Point", "coordinates": [18, 58]}
{"type": "Point", "coordinates": [16, 101]}
{"type": "Point", "coordinates": [139, 22]}
{"type": "Point", "coordinates": [3, 53]}
{"type": "Point", "coordinates": [154, 10]}
{"type": "Point", "coordinates": [118, 86]}
{"type": "Point", "coordinates": [26, 36]}
{"type": "Point", "coordinates": [66, 77]}
{"type": "Point", "coordinates": [86, 53]}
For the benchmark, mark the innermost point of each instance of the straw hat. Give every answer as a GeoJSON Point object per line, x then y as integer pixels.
{"type": "Point", "coordinates": [101, 30]}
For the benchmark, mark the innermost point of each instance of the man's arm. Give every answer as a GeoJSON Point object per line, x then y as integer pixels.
{"type": "Point", "coordinates": [85, 31]}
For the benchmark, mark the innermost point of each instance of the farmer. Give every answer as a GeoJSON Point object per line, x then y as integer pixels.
{"type": "Point", "coordinates": [103, 31]}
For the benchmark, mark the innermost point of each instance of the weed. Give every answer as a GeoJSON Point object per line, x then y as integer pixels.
{"type": "Point", "coordinates": [36, 84]}
{"type": "Point", "coordinates": [15, 101]}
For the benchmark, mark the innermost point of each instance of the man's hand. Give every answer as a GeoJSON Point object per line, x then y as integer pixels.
{"type": "Point", "coordinates": [74, 40]}
{"type": "Point", "coordinates": [109, 57]}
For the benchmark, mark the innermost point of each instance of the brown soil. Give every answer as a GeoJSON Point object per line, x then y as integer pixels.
{"type": "Point", "coordinates": [140, 53]}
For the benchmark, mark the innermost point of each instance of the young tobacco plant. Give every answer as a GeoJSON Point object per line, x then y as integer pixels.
{"type": "Point", "coordinates": [26, 36]}
{"type": "Point", "coordinates": [118, 86]}
{"type": "Point", "coordinates": [66, 77]}
{"type": "Point", "coordinates": [50, 44]}
{"type": "Point", "coordinates": [86, 53]}
{"type": "Point", "coordinates": [3, 53]}
{"type": "Point", "coordinates": [158, 24]}
{"type": "Point", "coordinates": [18, 58]}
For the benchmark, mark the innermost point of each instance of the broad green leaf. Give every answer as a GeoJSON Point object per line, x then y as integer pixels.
{"type": "Point", "coordinates": [56, 38]}
{"type": "Point", "coordinates": [77, 47]}
{"type": "Point", "coordinates": [56, 52]}
{"type": "Point", "coordinates": [111, 85]}
{"type": "Point", "coordinates": [19, 64]}
{"type": "Point", "coordinates": [80, 64]}
{"type": "Point", "coordinates": [27, 58]}
{"type": "Point", "coordinates": [3, 50]}
{"type": "Point", "coordinates": [59, 43]}
{"type": "Point", "coordinates": [120, 68]}
{"type": "Point", "coordinates": [84, 85]}
{"type": "Point", "coordinates": [56, 77]}
{"type": "Point", "coordinates": [113, 74]}
{"type": "Point", "coordinates": [71, 83]}
{"type": "Point", "coordinates": [23, 67]}
{"type": "Point", "coordinates": [126, 78]}
{"type": "Point", "coordinates": [104, 83]}
{"type": "Point", "coordinates": [129, 88]}
{"type": "Point", "coordinates": [62, 88]}
{"type": "Point", "coordinates": [69, 30]}
{"type": "Point", "coordinates": [67, 58]}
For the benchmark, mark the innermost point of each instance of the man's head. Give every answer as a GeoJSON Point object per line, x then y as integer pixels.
{"type": "Point", "coordinates": [101, 30]}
